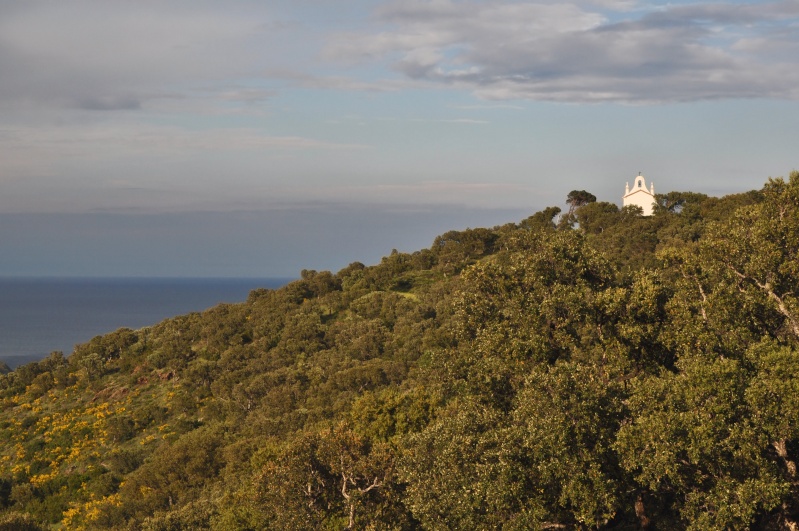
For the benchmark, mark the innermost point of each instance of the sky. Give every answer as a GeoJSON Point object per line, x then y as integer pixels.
{"type": "Point", "coordinates": [248, 138]}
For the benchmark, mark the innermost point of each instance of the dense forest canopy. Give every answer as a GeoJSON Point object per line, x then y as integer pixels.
{"type": "Point", "coordinates": [591, 370]}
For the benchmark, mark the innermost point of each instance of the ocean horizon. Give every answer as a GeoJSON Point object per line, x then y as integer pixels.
{"type": "Point", "coordinates": [40, 315]}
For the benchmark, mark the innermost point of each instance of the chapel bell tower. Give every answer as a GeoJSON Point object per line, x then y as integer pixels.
{"type": "Point", "coordinates": [638, 195]}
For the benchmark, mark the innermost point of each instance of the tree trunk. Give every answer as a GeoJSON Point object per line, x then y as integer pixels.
{"type": "Point", "coordinates": [643, 519]}
{"type": "Point", "coordinates": [782, 451]}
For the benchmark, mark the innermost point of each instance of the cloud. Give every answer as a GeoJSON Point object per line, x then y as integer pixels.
{"type": "Point", "coordinates": [588, 53]}
{"type": "Point", "coordinates": [425, 193]}
{"type": "Point", "coordinates": [112, 103]}
{"type": "Point", "coordinates": [465, 121]}
{"type": "Point", "coordinates": [131, 56]}
{"type": "Point", "coordinates": [249, 96]}
{"type": "Point", "coordinates": [117, 55]}
{"type": "Point", "coordinates": [34, 151]}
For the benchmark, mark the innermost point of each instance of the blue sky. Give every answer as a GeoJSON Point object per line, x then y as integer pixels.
{"type": "Point", "coordinates": [191, 138]}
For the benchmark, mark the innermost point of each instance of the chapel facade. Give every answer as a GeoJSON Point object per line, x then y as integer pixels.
{"type": "Point", "coordinates": [638, 195]}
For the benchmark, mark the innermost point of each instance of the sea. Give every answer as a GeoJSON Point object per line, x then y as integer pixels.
{"type": "Point", "coordinates": [42, 315]}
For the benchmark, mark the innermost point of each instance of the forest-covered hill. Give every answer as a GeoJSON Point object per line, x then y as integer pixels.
{"type": "Point", "coordinates": [591, 369]}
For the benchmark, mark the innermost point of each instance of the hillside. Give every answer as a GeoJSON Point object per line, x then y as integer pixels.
{"type": "Point", "coordinates": [597, 370]}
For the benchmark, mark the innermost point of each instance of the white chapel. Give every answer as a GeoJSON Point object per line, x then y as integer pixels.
{"type": "Point", "coordinates": [638, 195]}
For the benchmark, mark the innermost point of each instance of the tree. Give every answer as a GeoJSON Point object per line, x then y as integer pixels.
{"type": "Point", "coordinates": [737, 283]}
{"type": "Point", "coordinates": [578, 198]}
{"type": "Point", "coordinates": [15, 521]}
{"type": "Point", "coordinates": [455, 249]}
{"type": "Point", "coordinates": [759, 248]}
{"type": "Point", "coordinates": [675, 202]}
{"type": "Point", "coordinates": [596, 217]}
{"type": "Point", "coordinates": [713, 442]}
{"type": "Point", "coordinates": [535, 385]}
{"type": "Point", "coordinates": [332, 479]}
{"type": "Point", "coordinates": [176, 473]}
{"type": "Point", "coordinates": [548, 463]}
{"type": "Point", "coordinates": [541, 220]}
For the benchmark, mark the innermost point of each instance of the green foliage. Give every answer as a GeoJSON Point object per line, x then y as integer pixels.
{"type": "Point", "coordinates": [601, 371]}
{"type": "Point", "coordinates": [193, 515]}
{"type": "Point", "coordinates": [455, 249]}
{"type": "Point", "coordinates": [331, 479]}
{"type": "Point", "coordinates": [692, 439]}
{"type": "Point", "coordinates": [541, 220]}
{"type": "Point", "coordinates": [15, 521]}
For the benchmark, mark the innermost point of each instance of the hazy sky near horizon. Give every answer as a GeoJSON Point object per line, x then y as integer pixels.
{"type": "Point", "coordinates": [246, 138]}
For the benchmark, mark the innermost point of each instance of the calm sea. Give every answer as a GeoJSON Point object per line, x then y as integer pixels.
{"type": "Point", "coordinates": [38, 316]}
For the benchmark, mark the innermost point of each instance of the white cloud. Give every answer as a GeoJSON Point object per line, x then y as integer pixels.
{"type": "Point", "coordinates": [588, 53]}
{"type": "Point", "coordinates": [127, 56]}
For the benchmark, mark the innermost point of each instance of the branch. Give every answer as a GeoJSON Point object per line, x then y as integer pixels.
{"type": "Point", "coordinates": [704, 299]}
{"type": "Point", "coordinates": [375, 485]}
{"type": "Point", "coordinates": [782, 451]}
{"type": "Point", "coordinates": [344, 486]}
{"type": "Point", "coordinates": [783, 309]}
{"type": "Point", "coordinates": [701, 292]}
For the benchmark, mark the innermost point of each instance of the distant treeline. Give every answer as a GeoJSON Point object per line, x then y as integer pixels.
{"type": "Point", "coordinates": [588, 369]}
